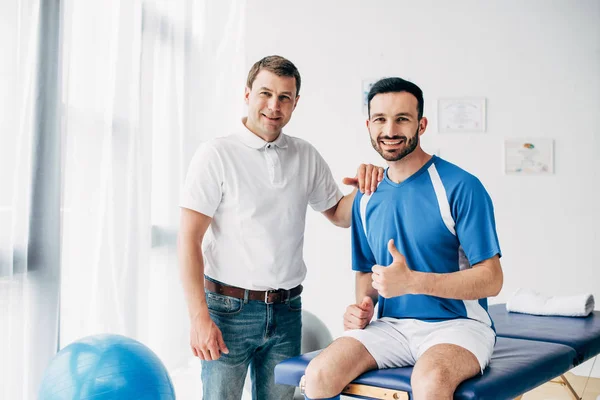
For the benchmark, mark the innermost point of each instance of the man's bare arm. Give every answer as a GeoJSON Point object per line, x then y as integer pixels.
{"type": "Point", "coordinates": [193, 227]}
{"type": "Point", "coordinates": [358, 315]}
{"type": "Point", "coordinates": [341, 214]}
{"type": "Point", "coordinates": [206, 339]}
{"type": "Point", "coordinates": [364, 288]}
{"type": "Point", "coordinates": [484, 279]}
{"type": "Point", "coordinates": [367, 178]}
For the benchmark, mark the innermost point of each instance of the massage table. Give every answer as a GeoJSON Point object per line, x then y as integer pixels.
{"type": "Point", "coordinates": [581, 334]}
{"type": "Point", "coordinates": [529, 352]}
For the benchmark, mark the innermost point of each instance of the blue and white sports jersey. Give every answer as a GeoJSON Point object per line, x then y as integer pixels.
{"type": "Point", "coordinates": [442, 220]}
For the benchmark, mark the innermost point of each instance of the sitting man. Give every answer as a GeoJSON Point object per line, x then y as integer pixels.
{"type": "Point", "coordinates": [425, 246]}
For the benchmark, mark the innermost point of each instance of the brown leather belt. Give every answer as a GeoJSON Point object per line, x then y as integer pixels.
{"type": "Point", "coordinates": [268, 296]}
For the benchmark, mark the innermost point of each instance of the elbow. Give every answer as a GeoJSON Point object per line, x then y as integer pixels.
{"type": "Point", "coordinates": [181, 253]}
{"type": "Point", "coordinates": [188, 246]}
{"type": "Point", "coordinates": [340, 214]}
{"type": "Point", "coordinates": [498, 282]}
{"type": "Point", "coordinates": [344, 220]}
{"type": "Point", "coordinates": [181, 244]}
{"type": "Point", "coordinates": [340, 221]}
{"type": "Point", "coordinates": [343, 223]}
{"type": "Point", "coordinates": [496, 290]}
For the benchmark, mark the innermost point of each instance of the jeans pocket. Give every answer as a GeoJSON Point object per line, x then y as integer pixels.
{"type": "Point", "coordinates": [295, 303]}
{"type": "Point", "coordinates": [223, 305]}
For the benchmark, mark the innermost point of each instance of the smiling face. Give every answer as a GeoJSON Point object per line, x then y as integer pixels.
{"type": "Point", "coordinates": [394, 125]}
{"type": "Point", "coordinates": [271, 101]}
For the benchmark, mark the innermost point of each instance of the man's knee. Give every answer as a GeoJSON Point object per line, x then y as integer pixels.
{"type": "Point", "coordinates": [320, 378]}
{"type": "Point", "coordinates": [436, 382]}
{"type": "Point", "coordinates": [318, 373]}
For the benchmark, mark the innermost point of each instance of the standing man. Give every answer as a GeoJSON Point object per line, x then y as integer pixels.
{"type": "Point", "coordinates": [425, 246]}
{"type": "Point", "coordinates": [243, 282]}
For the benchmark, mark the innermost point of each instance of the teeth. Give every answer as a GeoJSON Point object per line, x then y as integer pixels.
{"type": "Point", "coordinates": [391, 143]}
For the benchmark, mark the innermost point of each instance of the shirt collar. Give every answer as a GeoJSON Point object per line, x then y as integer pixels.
{"type": "Point", "coordinates": [247, 137]}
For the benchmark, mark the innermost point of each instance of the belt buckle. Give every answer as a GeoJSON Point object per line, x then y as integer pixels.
{"type": "Point", "coordinates": [267, 292]}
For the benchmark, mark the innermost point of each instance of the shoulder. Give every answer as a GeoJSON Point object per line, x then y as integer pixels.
{"type": "Point", "coordinates": [222, 143]}
{"type": "Point", "coordinates": [456, 178]}
{"type": "Point", "coordinates": [307, 152]}
{"type": "Point", "coordinates": [363, 201]}
{"type": "Point", "coordinates": [300, 144]}
{"type": "Point", "coordinates": [213, 152]}
{"type": "Point", "coordinates": [216, 148]}
{"type": "Point", "coordinates": [463, 188]}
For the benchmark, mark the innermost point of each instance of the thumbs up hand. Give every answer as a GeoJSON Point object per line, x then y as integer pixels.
{"type": "Point", "coordinates": [395, 279]}
{"type": "Point", "coordinates": [357, 316]}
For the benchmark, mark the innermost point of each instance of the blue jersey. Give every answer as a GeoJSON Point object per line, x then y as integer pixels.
{"type": "Point", "coordinates": [442, 220]}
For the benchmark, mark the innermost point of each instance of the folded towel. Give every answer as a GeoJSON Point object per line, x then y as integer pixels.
{"type": "Point", "coordinates": [527, 301]}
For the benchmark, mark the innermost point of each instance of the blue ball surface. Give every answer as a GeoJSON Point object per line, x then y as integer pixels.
{"type": "Point", "coordinates": [106, 367]}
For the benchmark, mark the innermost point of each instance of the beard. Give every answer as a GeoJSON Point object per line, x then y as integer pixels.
{"type": "Point", "coordinates": [397, 155]}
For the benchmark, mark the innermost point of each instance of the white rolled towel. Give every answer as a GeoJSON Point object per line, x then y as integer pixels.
{"type": "Point", "coordinates": [527, 301]}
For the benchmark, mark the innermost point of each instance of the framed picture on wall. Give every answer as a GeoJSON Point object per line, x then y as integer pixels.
{"type": "Point", "coordinates": [533, 156]}
{"type": "Point", "coordinates": [461, 114]}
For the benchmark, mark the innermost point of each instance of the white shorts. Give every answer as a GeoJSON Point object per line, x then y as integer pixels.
{"type": "Point", "coordinates": [397, 342]}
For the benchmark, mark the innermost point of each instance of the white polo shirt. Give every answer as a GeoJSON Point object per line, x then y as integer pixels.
{"type": "Point", "coordinates": [257, 194]}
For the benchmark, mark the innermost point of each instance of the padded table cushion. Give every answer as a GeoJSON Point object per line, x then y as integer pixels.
{"type": "Point", "coordinates": [517, 366]}
{"type": "Point", "coordinates": [582, 334]}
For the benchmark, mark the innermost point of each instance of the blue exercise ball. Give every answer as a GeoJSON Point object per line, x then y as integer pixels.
{"type": "Point", "coordinates": [106, 367]}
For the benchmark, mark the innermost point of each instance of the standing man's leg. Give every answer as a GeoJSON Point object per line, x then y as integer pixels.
{"type": "Point", "coordinates": [282, 330]}
{"type": "Point", "coordinates": [223, 379]}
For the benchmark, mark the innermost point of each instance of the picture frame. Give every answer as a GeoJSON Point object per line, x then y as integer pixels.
{"type": "Point", "coordinates": [462, 115]}
{"type": "Point", "coordinates": [529, 156]}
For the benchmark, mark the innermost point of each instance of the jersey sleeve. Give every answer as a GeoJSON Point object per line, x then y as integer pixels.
{"type": "Point", "coordinates": [362, 256]}
{"type": "Point", "coordinates": [203, 186]}
{"type": "Point", "coordinates": [324, 193]}
{"type": "Point", "coordinates": [475, 223]}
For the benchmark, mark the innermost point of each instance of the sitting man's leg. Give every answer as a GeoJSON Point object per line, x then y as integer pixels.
{"type": "Point", "coordinates": [341, 362]}
{"type": "Point", "coordinates": [448, 354]}
{"type": "Point", "coordinates": [440, 370]}
{"type": "Point", "coordinates": [379, 345]}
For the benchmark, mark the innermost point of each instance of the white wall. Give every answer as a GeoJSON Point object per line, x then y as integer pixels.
{"type": "Point", "coordinates": [538, 64]}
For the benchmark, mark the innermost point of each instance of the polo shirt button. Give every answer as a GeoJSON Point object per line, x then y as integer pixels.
{"type": "Point", "coordinates": [268, 146]}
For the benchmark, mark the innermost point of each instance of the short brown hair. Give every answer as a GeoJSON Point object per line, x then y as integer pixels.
{"type": "Point", "coordinates": [279, 66]}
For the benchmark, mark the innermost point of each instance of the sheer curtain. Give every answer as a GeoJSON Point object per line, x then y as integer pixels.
{"type": "Point", "coordinates": [29, 193]}
{"type": "Point", "coordinates": [144, 82]}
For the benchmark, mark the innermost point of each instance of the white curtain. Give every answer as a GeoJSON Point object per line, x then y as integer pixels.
{"type": "Point", "coordinates": [103, 104]}
{"type": "Point", "coordinates": [19, 25]}
{"type": "Point", "coordinates": [144, 82]}
{"type": "Point", "coordinates": [29, 194]}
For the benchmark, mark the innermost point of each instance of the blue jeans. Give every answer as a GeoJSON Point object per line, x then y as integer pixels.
{"type": "Point", "coordinates": [259, 336]}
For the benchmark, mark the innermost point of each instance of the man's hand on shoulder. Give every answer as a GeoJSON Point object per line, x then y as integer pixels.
{"type": "Point", "coordinates": [367, 178]}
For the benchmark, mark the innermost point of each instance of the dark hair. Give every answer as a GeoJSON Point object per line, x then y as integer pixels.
{"type": "Point", "coordinates": [396, 85]}
{"type": "Point", "coordinates": [279, 66]}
